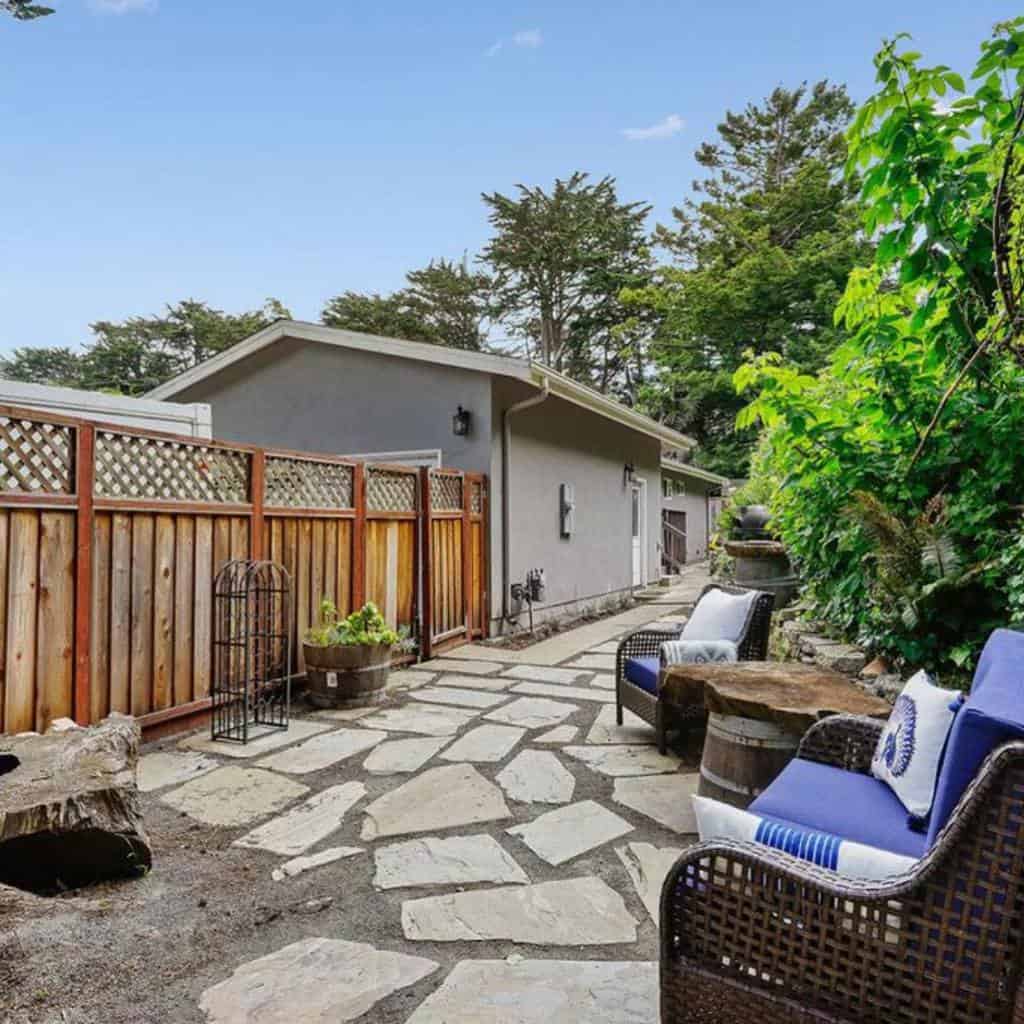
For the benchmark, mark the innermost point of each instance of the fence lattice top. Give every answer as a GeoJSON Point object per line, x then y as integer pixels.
{"type": "Point", "coordinates": [128, 466]}
{"type": "Point", "coordinates": [445, 492]}
{"type": "Point", "coordinates": [307, 483]}
{"type": "Point", "coordinates": [36, 456]}
{"type": "Point", "coordinates": [476, 498]}
{"type": "Point", "coordinates": [390, 490]}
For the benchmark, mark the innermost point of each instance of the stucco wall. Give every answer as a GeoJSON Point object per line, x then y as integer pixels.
{"type": "Point", "coordinates": [695, 504]}
{"type": "Point", "coordinates": [559, 442]}
{"type": "Point", "coordinates": [313, 397]}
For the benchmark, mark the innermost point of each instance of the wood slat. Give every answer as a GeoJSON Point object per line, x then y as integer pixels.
{"type": "Point", "coordinates": [303, 547]}
{"type": "Point", "coordinates": [99, 696]}
{"type": "Point", "coordinates": [202, 619]}
{"type": "Point", "coordinates": [184, 606]}
{"type": "Point", "coordinates": [345, 564]}
{"type": "Point", "coordinates": [120, 613]}
{"type": "Point", "coordinates": [4, 543]}
{"type": "Point", "coordinates": [55, 642]}
{"type": "Point", "coordinates": [22, 609]}
{"type": "Point", "coordinates": [163, 614]}
{"type": "Point", "coordinates": [143, 537]}
{"type": "Point", "coordinates": [316, 568]}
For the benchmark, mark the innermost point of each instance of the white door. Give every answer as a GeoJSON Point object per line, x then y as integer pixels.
{"type": "Point", "coordinates": [638, 502]}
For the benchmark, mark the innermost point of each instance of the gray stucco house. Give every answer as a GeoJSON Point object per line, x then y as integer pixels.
{"type": "Point", "coordinates": [542, 439]}
{"type": "Point", "coordinates": [689, 503]}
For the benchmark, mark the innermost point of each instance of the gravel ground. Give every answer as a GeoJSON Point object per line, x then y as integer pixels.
{"type": "Point", "coordinates": [139, 951]}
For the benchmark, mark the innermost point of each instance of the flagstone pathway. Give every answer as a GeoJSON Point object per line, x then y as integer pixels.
{"type": "Point", "coordinates": [507, 839]}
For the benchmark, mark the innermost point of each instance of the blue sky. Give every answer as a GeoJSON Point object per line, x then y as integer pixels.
{"type": "Point", "coordinates": [152, 150]}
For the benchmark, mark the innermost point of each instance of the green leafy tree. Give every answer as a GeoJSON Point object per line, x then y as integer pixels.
{"type": "Point", "coordinates": [762, 254]}
{"type": "Point", "coordinates": [24, 10]}
{"type": "Point", "coordinates": [560, 261]}
{"type": "Point", "coordinates": [444, 304]}
{"type": "Point", "coordinates": [60, 366]}
{"type": "Point", "coordinates": [922, 408]}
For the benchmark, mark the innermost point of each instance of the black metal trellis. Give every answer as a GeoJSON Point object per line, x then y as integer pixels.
{"type": "Point", "coordinates": [251, 649]}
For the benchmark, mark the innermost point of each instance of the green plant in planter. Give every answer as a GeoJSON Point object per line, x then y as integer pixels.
{"type": "Point", "coordinates": [364, 627]}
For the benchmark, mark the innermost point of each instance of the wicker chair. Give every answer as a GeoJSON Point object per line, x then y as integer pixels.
{"type": "Point", "coordinates": [664, 715]}
{"type": "Point", "coordinates": [751, 934]}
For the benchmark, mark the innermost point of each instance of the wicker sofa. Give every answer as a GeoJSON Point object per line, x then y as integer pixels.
{"type": "Point", "coordinates": [638, 663]}
{"type": "Point", "coordinates": [752, 934]}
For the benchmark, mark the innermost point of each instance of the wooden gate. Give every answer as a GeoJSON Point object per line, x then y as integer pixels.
{"type": "Point", "coordinates": [454, 558]}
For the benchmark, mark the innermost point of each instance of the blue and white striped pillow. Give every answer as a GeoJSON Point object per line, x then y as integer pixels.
{"type": "Point", "coordinates": [716, 820]}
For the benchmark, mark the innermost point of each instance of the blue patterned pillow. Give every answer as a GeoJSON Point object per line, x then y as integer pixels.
{"type": "Point", "coordinates": [843, 856]}
{"type": "Point", "coordinates": [910, 748]}
{"type": "Point", "coordinates": [698, 652]}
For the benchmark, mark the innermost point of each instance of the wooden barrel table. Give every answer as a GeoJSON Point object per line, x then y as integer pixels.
{"type": "Point", "coordinates": [757, 713]}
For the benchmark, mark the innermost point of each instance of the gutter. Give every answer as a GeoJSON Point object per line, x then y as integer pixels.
{"type": "Point", "coordinates": [506, 496]}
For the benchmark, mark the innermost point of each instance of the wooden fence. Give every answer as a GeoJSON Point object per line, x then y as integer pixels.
{"type": "Point", "coordinates": [110, 538]}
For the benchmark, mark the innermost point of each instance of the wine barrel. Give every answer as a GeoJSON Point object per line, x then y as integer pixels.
{"type": "Point", "coordinates": [341, 677]}
{"type": "Point", "coordinates": [741, 757]}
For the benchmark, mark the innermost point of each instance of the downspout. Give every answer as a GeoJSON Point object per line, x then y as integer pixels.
{"type": "Point", "coordinates": [506, 496]}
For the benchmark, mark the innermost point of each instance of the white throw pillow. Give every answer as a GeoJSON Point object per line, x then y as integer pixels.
{"type": "Point", "coordinates": [719, 616]}
{"type": "Point", "coordinates": [716, 820]}
{"type": "Point", "coordinates": [910, 747]}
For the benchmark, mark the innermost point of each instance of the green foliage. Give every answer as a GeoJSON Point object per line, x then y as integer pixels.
{"type": "Point", "coordinates": [137, 354]}
{"type": "Point", "coordinates": [366, 626]}
{"type": "Point", "coordinates": [899, 467]}
{"type": "Point", "coordinates": [560, 261]}
{"type": "Point", "coordinates": [763, 255]}
{"type": "Point", "coordinates": [24, 10]}
{"type": "Point", "coordinates": [445, 303]}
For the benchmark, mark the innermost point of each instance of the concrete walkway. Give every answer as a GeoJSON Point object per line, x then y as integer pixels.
{"type": "Point", "coordinates": [670, 602]}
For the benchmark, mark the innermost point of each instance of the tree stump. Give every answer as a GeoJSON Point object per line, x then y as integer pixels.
{"type": "Point", "coordinates": [69, 807]}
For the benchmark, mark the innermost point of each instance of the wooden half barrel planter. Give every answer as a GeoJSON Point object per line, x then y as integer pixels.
{"type": "Point", "coordinates": [346, 676]}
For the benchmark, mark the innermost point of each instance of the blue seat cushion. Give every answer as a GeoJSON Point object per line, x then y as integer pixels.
{"type": "Point", "coordinates": [643, 672]}
{"type": "Point", "coordinates": [845, 804]}
{"type": "Point", "coordinates": [992, 714]}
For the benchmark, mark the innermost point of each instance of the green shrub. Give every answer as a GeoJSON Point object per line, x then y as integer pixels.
{"type": "Point", "coordinates": [898, 473]}
{"type": "Point", "coordinates": [366, 626]}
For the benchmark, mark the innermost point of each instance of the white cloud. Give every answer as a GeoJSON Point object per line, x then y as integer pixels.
{"type": "Point", "coordinates": [530, 38]}
{"type": "Point", "coordinates": [664, 129]}
{"type": "Point", "coordinates": [122, 6]}
{"type": "Point", "coordinates": [494, 49]}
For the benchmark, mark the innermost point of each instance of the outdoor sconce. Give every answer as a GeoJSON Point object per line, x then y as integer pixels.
{"type": "Point", "coordinates": [461, 421]}
{"type": "Point", "coordinates": [628, 474]}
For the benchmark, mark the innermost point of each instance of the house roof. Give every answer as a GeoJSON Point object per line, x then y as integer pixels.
{"type": "Point", "coordinates": [685, 469]}
{"type": "Point", "coordinates": [527, 370]}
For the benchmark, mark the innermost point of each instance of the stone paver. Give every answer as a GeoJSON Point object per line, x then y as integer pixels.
{"type": "Point", "coordinates": [565, 692]}
{"type": "Point", "coordinates": [345, 714]}
{"type": "Point", "coordinates": [624, 760]}
{"type": "Point", "coordinates": [562, 834]}
{"type": "Point", "coordinates": [298, 865]}
{"type": "Point", "coordinates": [536, 776]}
{"type": "Point", "coordinates": [595, 662]}
{"type": "Point", "coordinates": [322, 751]}
{"type": "Point", "coordinates": [421, 718]}
{"type": "Point", "coordinates": [484, 744]}
{"type": "Point", "coordinates": [396, 756]}
{"type": "Point", "coordinates": [603, 680]}
{"type": "Point", "coordinates": [470, 668]}
{"type": "Point", "coordinates": [664, 798]}
{"type": "Point", "coordinates": [304, 826]}
{"type": "Point", "coordinates": [571, 912]}
{"type": "Point", "coordinates": [407, 679]}
{"type": "Point", "coordinates": [545, 674]}
{"type": "Point", "coordinates": [532, 712]}
{"type": "Point", "coordinates": [165, 768]}
{"type": "Point", "coordinates": [312, 980]}
{"type": "Point", "coordinates": [633, 729]}
{"type": "Point", "coordinates": [560, 734]}
{"type": "Point", "coordinates": [459, 697]}
{"type": "Point", "coordinates": [234, 795]}
{"type": "Point", "coordinates": [492, 684]}
{"type": "Point", "coordinates": [261, 739]}
{"type": "Point", "coordinates": [437, 799]}
{"type": "Point", "coordinates": [608, 647]}
{"type": "Point", "coordinates": [544, 992]}
{"type": "Point", "coordinates": [647, 867]}
{"type": "Point", "coordinates": [458, 860]}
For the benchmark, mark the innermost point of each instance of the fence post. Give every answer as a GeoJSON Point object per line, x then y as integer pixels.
{"type": "Point", "coordinates": [467, 557]}
{"type": "Point", "coordinates": [85, 469]}
{"type": "Point", "coordinates": [359, 536]}
{"type": "Point", "coordinates": [426, 567]}
{"type": "Point", "coordinates": [257, 477]}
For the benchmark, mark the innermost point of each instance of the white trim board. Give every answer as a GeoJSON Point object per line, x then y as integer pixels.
{"type": "Point", "coordinates": [528, 371]}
